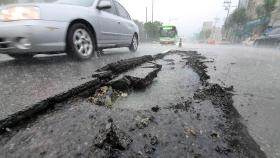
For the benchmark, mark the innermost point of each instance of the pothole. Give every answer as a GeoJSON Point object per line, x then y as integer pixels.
{"type": "Point", "coordinates": [175, 82]}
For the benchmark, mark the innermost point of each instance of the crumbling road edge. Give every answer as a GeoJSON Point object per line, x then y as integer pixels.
{"type": "Point", "coordinates": [237, 137]}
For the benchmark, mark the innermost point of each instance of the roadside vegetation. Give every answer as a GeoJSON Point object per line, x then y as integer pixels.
{"type": "Point", "coordinates": [149, 31]}
{"type": "Point", "coordinates": [238, 25]}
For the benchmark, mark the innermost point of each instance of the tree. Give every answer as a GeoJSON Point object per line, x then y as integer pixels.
{"type": "Point", "coordinates": [205, 34]}
{"type": "Point", "coordinates": [266, 8]}
{"type": "Point", "coordinates": [239, 16]}
{"type": "Point", "coordinates": [269, 6]}
{"type": "Point", "coordinates": [260, 10]}
{"type": "Point", "coordinates": [152, 29]}
{"type": "Point", "coordinates": [149, 30]}
{"type": "Point", "coordinates": [140, 25]}
{"type": "Point", "coordinates": [235, 23]}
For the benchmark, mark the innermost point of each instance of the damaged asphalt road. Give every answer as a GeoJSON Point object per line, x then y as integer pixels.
{"type": "Point", "coordinates": [170, 110]}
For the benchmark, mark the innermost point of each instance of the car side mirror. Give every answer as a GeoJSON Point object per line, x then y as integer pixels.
{"type": "Point", "coordinates": [104, 5]}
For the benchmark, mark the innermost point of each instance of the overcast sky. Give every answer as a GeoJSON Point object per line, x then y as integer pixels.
{"type": "Point", "coordinates": [187, 15]}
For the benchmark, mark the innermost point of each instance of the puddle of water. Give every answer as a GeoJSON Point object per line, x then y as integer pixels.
{"type": "Point", "coordinates": [173, 82]}
{"type": "Point", "coordinates": [139, 72]}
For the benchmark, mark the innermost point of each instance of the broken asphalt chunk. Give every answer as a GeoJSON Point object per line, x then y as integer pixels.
{"type": "Point", "coordinates": [155, 108]}
{"type": "Point", "coordinates": [154, 140]}
{"type": "Point", "coordinates": [143, 122]}
{"type": "Point", "coordinates": [137, 78]}
{"type": "Point", "coordinates": [104, 96]}
{"type": "Point", "coordinates": [127, 64]}
{"type": "Point", "coordinates": [190, 132]}
{"type": "Point", "coordinates": [159, 56]}
{"type": "Point", "coordinates": [112, 137]}
{"type": "Point", "coordinates": [149, 149]}
{"type": "Point", "coordinates": [223, 150]}
{"type": "Point", "coordinates": [215, 135]}
{"type": "Point", "coordinates": [103, 74]}
{"type": "Point", "coordinates": [121, 83]}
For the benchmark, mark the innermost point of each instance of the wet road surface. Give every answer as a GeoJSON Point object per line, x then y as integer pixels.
{"type": "Point", "coordinates": [253, 73]}
{"type": "Point", "coordinates": [186, 126]}
{"type": "Point", "coordinates": [23, 83]}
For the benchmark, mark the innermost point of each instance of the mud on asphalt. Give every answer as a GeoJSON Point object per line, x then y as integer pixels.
{"type": "Point", "coordinates": [98, 120]}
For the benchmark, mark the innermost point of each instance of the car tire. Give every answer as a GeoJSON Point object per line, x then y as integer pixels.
{"type": "Point", "coordinates": [80, 42]}
{"type": "Point", "coordinates": [134, 44]}
{"type": "Point", "coordinates": [21, 56]}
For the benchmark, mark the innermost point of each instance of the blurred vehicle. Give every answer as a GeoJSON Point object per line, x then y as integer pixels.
{"type": "Point", "coordinates": [78, 27]}
{"type": "Point", "coordinates": [249, 41]}
{"type": "Point", "coordinates": [168, 34]}
{"type": "Point", "coordinates": [271, 38]}
{"type": "Point", "coordinates": [211, 41]}
{"type": "Point", "coordinates": [224, 42]}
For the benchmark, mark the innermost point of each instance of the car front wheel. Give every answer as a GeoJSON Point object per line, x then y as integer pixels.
{"type": "Point", "coordinates": [134, 44]}
{"type": "Point", "coordinates": [80, 42]}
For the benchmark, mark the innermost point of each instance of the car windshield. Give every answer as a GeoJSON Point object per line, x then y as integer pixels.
{"type": "Point", "coordinates": [167, 33]}
{"type": "Point", "coordinates": [85, 3]}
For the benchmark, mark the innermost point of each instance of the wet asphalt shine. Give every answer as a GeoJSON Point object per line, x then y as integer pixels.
{"type": "Point", "coordinates": [159, 105]}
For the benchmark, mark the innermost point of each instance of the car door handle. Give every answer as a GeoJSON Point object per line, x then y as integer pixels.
{"type": "Point", "coordinates": [119, 22]}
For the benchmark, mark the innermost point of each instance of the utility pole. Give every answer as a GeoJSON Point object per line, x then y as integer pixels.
{"type": "Point", "coordinates": [146, 14]}
{"type": "Point", "coordinates": [227, 5]}
{"type": "Point", "coordinates": [152, 11]}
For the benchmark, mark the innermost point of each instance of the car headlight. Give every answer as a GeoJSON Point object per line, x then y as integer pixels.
{"type": "Point", "coordinates": [20, 13]}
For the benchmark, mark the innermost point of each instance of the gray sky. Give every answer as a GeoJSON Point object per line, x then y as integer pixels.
{"type": "Point", "coordinates": [187, 15]}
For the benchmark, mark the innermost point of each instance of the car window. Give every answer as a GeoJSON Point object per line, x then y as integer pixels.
{"type": "Point", "coordinates": [122, 11]}
{"type": "Point", "coordinates": [111, 10]}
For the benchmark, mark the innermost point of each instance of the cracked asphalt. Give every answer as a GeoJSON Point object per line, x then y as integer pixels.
{"type": "Point", "coordinates": [254, 73]}
{"type": "Point", "coordinates": [23, 83]}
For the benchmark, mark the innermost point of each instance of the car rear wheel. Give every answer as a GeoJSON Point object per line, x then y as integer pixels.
{"type": "Point", "coordinates": [80, 42]}
{"type": "Point", "coordinates": [21, 56]}
{"type": "Point", "coordinates": [134, 44]}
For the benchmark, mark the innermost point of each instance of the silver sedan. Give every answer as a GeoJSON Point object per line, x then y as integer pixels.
{"type": "Point", "coordinates": [78, 27]}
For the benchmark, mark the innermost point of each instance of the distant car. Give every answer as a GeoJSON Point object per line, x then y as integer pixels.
{"type": "Point", "coordinates": [249, 42]}
{"type": "Point", "coordinates": [211, 41]}
{"type": "Point", "coordinates": [79, 27]}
